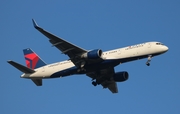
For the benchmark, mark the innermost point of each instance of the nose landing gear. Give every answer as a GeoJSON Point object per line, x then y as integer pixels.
{"type": "Point", "coordinates": [148, 61]}
{"type": "Point", "coordinates": [148, 64]}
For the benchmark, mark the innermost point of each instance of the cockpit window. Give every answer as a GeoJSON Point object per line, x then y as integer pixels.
{"type": "Point", "coordinates": [159, 43]}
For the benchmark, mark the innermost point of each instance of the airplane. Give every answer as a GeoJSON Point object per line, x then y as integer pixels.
{"type": "Point", "coordinates": [96, 64]}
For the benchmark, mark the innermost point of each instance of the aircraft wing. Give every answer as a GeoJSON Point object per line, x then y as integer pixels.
{"type": "Point", "coordinates": [111, 85]}
{"type": "Point", "coordinates": [105, 78]}
{"type": "Point", "coordinates": [65, 47]}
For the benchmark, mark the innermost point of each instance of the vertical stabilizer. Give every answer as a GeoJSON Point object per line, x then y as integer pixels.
{"type": "Point", "coordinates": [33, 61]}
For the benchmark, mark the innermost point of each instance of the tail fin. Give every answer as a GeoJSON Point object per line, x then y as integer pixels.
{"type": "Point", "coordinates": [33, 61]}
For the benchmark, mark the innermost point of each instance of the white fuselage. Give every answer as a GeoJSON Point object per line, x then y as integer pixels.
{"type": "Point", "coordinates": [121, 55]}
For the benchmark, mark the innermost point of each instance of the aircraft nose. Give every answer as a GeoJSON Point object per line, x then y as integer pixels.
{"type": "Point", "coordinates": [166, 48]}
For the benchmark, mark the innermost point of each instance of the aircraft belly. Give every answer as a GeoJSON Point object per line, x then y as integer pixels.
{"type": "Point", "coordinates": [103, 65]}
{"type": "Point", "coordinates": [65, 72]}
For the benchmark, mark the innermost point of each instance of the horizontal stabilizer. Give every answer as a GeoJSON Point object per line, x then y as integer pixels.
{"type": "Point", "coordinates": [38, 82]}
{"type": "Point", "coordinates": [21, 67]}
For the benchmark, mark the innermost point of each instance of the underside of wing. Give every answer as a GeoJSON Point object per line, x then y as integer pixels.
{"type": "Point", "coordinates": [105, 78]}
{"type": "Point", "coordinates": [111, 85]}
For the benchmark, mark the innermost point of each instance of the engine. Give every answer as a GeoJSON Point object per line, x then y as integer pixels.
{"type": "Point", "coordinates": [93, 54]}
{"type": "Point", "coordinates": [121, 76]}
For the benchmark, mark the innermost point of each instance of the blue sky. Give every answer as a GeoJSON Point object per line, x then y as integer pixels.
{"type": "Point", "coordinates": [91, 24]}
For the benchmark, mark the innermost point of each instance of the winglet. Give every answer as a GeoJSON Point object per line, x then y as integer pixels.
{"type": "Point", "coordinates": [35, 24]}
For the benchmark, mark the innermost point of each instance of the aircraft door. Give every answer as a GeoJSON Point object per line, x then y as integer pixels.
{"type": "Point", "coordinates": [119, 52]}
{"type": "Point", "coordinates": [149, 45]}
{"type": "Point", "coordinates": [43, 69]}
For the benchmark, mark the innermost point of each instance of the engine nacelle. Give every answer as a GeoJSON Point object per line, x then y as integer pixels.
{"type": "Point", "coordinates": [121, 76]}
{"type": "Point", "coordinates": [93, 54]}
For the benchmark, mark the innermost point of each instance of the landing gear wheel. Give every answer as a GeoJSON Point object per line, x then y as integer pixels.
{"type": "Point", "coordinates": [94, 83]}
{"type": "Point", "coordinates": [148, 64]}
{"type": "Point", "coordinates": [148, 61]}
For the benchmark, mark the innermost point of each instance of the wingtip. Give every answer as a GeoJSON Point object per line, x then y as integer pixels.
{"type": "Point", "coordinates": [9, 61]}
{"type": "Point", "coordinates": [35, 24]}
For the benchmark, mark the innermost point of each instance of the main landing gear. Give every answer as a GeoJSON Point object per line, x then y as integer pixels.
{"type": "Point", "coordinates": [81, 68]}
{"type": "Point", "coordinates": [94, 83]}
{"type": "Point", "coordinates": [148, 61]}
